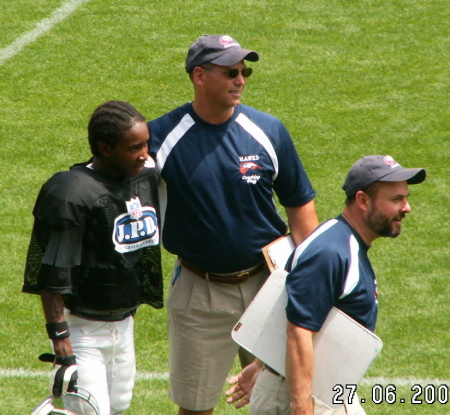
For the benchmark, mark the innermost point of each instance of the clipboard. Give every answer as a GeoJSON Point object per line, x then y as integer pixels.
{"type": "Point", "coordinates": [343, 348]}
{"type": "Point", "coordinates": [278, 252]}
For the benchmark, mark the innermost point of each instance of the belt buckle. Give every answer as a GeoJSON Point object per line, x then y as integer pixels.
{"type": "Point", "coordinates": [245, 274]}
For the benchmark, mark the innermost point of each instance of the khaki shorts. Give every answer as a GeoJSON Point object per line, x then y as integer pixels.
{"type": "Point", "coordinates": [201, 315]}
{"type": "Point", "coordinates": [270, 396]}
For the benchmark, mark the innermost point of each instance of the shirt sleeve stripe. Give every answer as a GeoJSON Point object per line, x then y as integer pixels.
{"type": "Point", "coordinates": [353, 273]}
{"type": "Point", "coordinates": [260, 137]}
{"type": "Point", "coordinates": [172, 139]}
{"type": "Point", "coordinates": [299, 250]}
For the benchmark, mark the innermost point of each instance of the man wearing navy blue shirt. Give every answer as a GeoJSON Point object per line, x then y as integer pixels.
{"type": "Point", "coordinates": [331, 268]}
{"type": "Point", "coordinates": [221, 164]}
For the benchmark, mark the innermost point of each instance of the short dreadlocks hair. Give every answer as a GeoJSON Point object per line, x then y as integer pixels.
{"type": "Point", "coordinates": [109, 122]}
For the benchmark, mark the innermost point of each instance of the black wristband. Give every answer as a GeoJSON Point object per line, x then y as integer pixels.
{"type": "Point", "coordinates": [66, 360]}
{"type": "Point", "coordinates": [59, 330]}
{"type": "Point", "coordinates": [59, 360]}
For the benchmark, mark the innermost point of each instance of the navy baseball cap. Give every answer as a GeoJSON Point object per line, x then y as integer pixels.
{"type": "Point", "coordinates": [371, 169]}
{"type": "Point", "coordinates": [218, 49]}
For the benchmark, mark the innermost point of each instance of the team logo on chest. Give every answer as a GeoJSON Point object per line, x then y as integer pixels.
{"type": "Point", "coordinates": [135, 229]}
{"type": "Point", "coordinates": [249, 164]}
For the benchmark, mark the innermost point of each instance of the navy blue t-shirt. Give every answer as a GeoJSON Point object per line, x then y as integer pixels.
{"type": "Point", "coordinates": [218, 185]}
{"type": "Point", "coordinates": [331, 268]}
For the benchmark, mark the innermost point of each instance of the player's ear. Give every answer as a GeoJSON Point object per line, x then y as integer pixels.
{"type": "Point", "coordinates": [104, 149]}
{"type": "Point", "coordinates": [198, 74]}
{"type": "Point", "coordinates": [362, 200]}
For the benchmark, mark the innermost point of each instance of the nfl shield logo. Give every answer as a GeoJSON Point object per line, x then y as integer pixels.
{"type": "Point", "coordinates": [134, 208]}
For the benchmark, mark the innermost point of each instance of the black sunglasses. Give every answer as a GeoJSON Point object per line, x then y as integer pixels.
{"type": "Point", "coordinates": [232, 73]}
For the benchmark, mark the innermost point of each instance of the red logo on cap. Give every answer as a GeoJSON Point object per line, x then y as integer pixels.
{"type": "Point", "coordinates": [228, 41]}
{"type": "Point", "coordinates": [389, 160]}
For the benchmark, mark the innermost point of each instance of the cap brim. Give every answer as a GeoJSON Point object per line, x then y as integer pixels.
{"type": "Point", "coordinates": [234, 55]}
{"type": "Point", "coordinates": [411, 176]}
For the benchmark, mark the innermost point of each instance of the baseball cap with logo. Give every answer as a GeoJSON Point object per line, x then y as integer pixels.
{"type": "Point", "coordinates": [371, 169]}
{"type": "Point", "coordinates": [218, 49]}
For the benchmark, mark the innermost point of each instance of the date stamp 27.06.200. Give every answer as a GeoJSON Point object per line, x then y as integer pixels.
{"type": "Point", "coordinates": [428, 394]}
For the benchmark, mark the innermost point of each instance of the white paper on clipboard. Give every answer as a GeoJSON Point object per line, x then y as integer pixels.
{"type": "Point", "coordinates": [343, 349]}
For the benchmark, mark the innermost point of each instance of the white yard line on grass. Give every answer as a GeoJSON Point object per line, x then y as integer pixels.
{"type": "Point", "coordinates": [66, 9]}
{"type": "Point", "coordinates": [370, 381]}
{"type": "Point", "coordinates": [24, 373]}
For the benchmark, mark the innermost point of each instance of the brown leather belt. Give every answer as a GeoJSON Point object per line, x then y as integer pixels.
{"type": "Point", "coordinates": [232, 278]}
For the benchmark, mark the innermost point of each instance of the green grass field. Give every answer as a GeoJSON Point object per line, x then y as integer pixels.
{"type": "Point", "coordinates": [348, 78]}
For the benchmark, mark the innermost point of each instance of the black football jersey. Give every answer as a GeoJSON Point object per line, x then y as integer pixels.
{"type": "Point", "coordinates": [95, 240]}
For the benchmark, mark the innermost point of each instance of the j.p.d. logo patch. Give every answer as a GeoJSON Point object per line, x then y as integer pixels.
{"type": "Point", "coordinates": [136, 229]}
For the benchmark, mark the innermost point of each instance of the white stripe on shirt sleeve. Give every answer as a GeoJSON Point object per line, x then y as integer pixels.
{"type": "Point", "coordinates": [353, 272]}
{"type": "Point", "coordinates": [321, 229]}
{"type": "Point", "coordinates": [261, 137]}
{"type": "Point", "coordinates": [172, 139]}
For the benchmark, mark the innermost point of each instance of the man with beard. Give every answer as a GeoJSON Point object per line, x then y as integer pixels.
{"type": "Point", "coordinates": [331, 268]}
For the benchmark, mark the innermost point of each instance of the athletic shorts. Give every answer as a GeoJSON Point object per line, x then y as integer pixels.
{"type": "Point", "coordinates": [270, 396]}
{"type": "Point", "coordinates": [201, 315]}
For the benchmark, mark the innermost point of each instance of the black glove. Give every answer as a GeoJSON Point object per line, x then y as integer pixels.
{"type": "Point", "coordinates": [64, 375]}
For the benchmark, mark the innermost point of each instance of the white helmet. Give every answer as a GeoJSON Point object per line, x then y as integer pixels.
{"type": "Point", "coordinates": [46, 407]}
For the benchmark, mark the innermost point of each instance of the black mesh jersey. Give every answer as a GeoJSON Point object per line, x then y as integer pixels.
{"type": "Point", "coordinates": [95, 240]}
